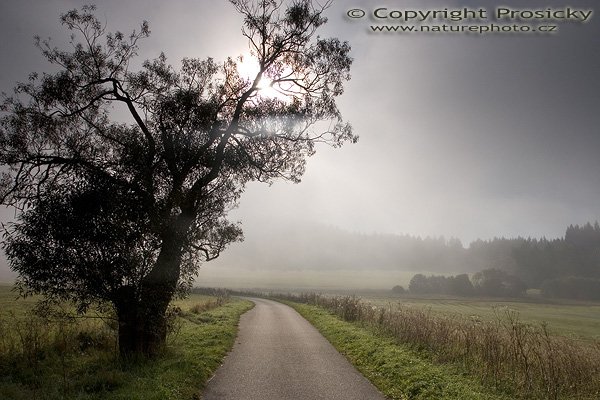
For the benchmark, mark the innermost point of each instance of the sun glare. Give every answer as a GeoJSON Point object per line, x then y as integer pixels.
{"type": "Point", "coordinates": [248, 67]}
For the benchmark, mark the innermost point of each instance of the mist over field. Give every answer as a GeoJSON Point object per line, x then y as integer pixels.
{"type": "Point", "coordinates": [306, 255]}
{"type": "Point", "coordinates": [465, 136]}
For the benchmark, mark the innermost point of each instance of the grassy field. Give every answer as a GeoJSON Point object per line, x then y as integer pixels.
{"type": "Point", "coordinates": [77, 360]}
{"type": "Point", "coordinates": [581, 320]}
{"type": "Point", "coordinates": [399, 372]}
{"type": "Point", "coordinates": [11, 303]}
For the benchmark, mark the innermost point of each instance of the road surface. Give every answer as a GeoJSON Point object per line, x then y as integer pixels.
{"type": "Point", "coordinates": [278, 355]}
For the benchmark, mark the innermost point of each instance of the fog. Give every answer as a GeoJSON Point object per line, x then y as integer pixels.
{"type": "Point", "coordinates": [461, 135]}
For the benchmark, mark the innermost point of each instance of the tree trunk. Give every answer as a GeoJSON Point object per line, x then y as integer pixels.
{"type": "Point", "coordinates": [143, 321]}
{"type": "Point", "coordinates": [142, 327]}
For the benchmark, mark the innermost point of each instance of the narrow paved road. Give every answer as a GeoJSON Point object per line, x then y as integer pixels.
{"type": "Point", "coordinates": [278, 355]}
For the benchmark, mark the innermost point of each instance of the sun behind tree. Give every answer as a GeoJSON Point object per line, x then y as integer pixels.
{"type": "Point", "coordinates": [248, 68]}
{"type": "Point", "coordinates": [123, 213]}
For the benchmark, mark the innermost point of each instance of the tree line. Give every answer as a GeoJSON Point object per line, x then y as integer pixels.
{"type": "Point", "coordinates": [488, 282]}
{"type": "Point", "coordinates": [567, 267]}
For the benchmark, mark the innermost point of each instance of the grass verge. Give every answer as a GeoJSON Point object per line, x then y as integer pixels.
{"type": "Point", "coordinates": [397, 371]}
{"type": "Point", "coordinates": [194, 352]}
{"type": "Point", "coordinates": [505, 354]}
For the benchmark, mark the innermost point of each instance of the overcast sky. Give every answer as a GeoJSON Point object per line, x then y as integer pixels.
{"type": "Point", "coordinates": [461, 135]}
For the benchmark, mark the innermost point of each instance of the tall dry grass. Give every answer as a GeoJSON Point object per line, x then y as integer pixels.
{"type": "Point", "coordinates": [505, 352]}
{"type": "Point", "coordinates": [220, 297]}
{"type": "Point", "coordinates": [31, 336]}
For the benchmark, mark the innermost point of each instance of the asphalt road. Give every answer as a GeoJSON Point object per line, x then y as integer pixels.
{"type": "Point", "coordinates": [278, 355]}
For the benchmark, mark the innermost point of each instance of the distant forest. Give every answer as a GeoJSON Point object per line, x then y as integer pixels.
{"type": "Point", "coordinates": [567, 267]}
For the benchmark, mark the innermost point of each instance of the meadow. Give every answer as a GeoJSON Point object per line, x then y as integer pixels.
{"type": "Point", "coordinates": [567, 318]}
{"type": "Point", "coordinates": [45, 357]}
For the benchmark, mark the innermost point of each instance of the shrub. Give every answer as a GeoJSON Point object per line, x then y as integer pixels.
{"type": "Point", "coordinates": [398, 289]}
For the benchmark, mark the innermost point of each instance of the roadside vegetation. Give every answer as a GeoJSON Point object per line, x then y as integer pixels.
{"type": "Point", "coordinates": [412, 353]}
{"type": "Point", "coordinates": [571, 318]}
{"type": "Point", "coordinates": [55, 357]}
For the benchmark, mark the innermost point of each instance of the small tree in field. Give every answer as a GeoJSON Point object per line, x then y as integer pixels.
{"type": "Point", "coordinates": [122, 212]}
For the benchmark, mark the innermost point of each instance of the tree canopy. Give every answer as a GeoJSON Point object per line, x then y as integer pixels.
{"type": "Point", "coordinates": [124, 211]}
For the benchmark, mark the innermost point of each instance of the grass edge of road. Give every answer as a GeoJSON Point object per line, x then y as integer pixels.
{"type": "Point", "coordinates": [205, 334]}
{"type": "Point", "coordinates": [398, 371]}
